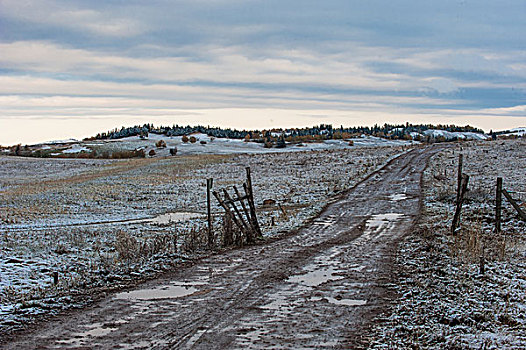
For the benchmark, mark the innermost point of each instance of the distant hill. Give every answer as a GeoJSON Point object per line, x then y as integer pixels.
{"type": "Point", "coordinates": [322, 132]}
{"type": "Point", "coordinates": [159, 141]}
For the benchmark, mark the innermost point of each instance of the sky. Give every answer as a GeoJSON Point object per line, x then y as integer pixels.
{"type": "Point", "coordinates": [75, 68]}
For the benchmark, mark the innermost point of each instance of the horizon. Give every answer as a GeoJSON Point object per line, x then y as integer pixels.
{"type": "Point", "coordinates": [37, 137]}
{"type": "Point", "coordinates": [70, 69]}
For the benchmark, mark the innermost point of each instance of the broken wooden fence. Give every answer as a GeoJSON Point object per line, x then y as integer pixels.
{"type": "Point", "coordinates": [498, 205]}
{"type": "Point", "coordinates": [241, 210]}
{"type": "Point", "coordinates": [462, 188]}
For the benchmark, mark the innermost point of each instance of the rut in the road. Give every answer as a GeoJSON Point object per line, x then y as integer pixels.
{"type": "Point", "coordinates": [317, 288]}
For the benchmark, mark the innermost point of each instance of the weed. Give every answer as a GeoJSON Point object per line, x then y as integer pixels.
{"type": "Point", "coordinates": [125, 245]}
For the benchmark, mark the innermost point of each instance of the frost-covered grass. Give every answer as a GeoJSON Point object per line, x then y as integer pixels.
{"type": "Point", "coordinates": [75, 217]}
{"type": "Point", "coordinates": [446, 300]}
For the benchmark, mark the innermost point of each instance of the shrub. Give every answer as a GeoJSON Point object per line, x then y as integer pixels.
{"type": "Point", "coordinates": [185, 139]}
{"type": "Point", "coordinates": [193, 139]}
{"type": "Point", "coordinates": [86, 155]}
{"type": "Point", "coordinates": [160, 144]}
{"type": "Point", "coordinates": [125, 245]}
{"type": "Point", "coordinates": [151, 153]}
{"type": "Point", "coordinates": [173, 151]}
{"type": "Point", "coordinates": [202, 142]}
{"type": "Point", "coordinates": [123, 154]}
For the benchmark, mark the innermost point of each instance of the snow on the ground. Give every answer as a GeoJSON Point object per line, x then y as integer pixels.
{"type": "Point", "coordinates": [521, 132]}
{"type": "Point", "coordinates": [54, 142]}
{"type": "Point", "coordinates": [444, 300]}
{"type": "Point", "coordinates": [41, 197]}
{"type": "Point", "coordinates": [460, 135]}
{"type": "Point", "coordinates": [211, 145]}
{"type": "Point", "coordinates": [76, 149]}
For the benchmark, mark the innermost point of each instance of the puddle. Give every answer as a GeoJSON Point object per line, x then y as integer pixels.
{"type": "Point", "coordinates": [344, 302]}
{"type": "Point", "coordinates": [138, 345]}
{"type": "Point", "coordinates": [282, 302]}
{"type": "Point", "coordinates": [170, 291]}
{"type": "Point", "coordinates": [397, 197]}
{"type": "Point", "coordinates": [378, 225]}
{"type": "Point", "coordinates": [165, 219]}
{"type": "Point", "coordinates": [380, 220]}
{"type": "Point", "coordinates": [326, 222]}
{"type": "Point", "coordinates": [317, 277]}
{"type": "Point", "coordinates": [358, 268]}
{"type": "Point", "coordinates": [95, 330]}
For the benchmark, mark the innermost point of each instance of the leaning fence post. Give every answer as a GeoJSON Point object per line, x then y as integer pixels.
{"type": "Point", "coordinates": [227, 209]}
{"type": "Point", "coordinates": [512, 201]}
{"type": "Point", "coordinates": [498, 204]}
{"type": "Point", "coordinates": [209, 184]}
{"type": "Point", "coordinates": [463, 190]}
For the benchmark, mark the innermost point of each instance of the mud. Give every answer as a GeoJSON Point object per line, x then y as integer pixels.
{"type": "Point", "coordinates": [317, 288]}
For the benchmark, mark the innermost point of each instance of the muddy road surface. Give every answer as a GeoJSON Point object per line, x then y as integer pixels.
{"type": "Point", "coordinates": [317, 288]}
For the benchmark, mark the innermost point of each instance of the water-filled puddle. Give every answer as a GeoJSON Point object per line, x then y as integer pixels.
{"type": "Point", "coordinates": [380, 220]}
{"type": "Point", "coordinates": [316, 277]}
{"type": "Point", "coordinates": [397, 197]}
{"type": "Point", "coordinates": [344, 302]}
{"type": "Point", "coordinates": [165, 219]}
{"type": "Point", "coordinates": [94, 330]}
{"type": "Point", "coordinates": [170, 291]}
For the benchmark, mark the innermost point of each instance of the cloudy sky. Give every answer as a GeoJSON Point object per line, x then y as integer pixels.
{"type": "Point", "coordinates": [73, 68]}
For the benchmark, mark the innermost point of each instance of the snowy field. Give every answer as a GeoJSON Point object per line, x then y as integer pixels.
{"type": "Point", "coordinates": [203, 144]}
{"type": "Point", "coordinates": [100, 224]}
{"type": "Point", "coordinates": [446, 301]}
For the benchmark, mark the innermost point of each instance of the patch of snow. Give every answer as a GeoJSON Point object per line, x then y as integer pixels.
{"type": "Point", "coordinates": [61, 142]}
{"type": "Point", "coordinates": [516, 131]}
{"type": "Point", "coordinates": [450, 135]}
{"type": "Point", "coordinates": [76, 149]}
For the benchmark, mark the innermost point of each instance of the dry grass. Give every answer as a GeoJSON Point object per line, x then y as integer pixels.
{"type": "Point", "coordinates": [38, 186]}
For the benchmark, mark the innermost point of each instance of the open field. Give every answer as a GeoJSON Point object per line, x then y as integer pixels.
{"type": "Point", "coordinates": [91, 220]}
{"type": "Point", "coordinates": [444, 299]}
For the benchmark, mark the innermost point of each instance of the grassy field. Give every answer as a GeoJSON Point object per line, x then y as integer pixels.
{"type": "Point", "coordinates": [90, 220]}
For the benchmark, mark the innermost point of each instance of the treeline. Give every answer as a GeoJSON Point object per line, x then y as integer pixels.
{"type": "Point", "coordinates": [323, 131]}
{"type": "Point", "coordinates": [174, 130]}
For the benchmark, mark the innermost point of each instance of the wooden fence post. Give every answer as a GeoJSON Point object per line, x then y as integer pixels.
{"type": "Point", "coordinates": [250, 195]}
{"type": "Point", "coordinates": [209, 184]}
{"type": "Point", "coordinates": [459, 174]}
{"type": "Point", "coordinates": [463, 190]}
{"type": "Point", "coordinates": [498, 204]}
{"type": "Point", "coordinates": [228, 238]}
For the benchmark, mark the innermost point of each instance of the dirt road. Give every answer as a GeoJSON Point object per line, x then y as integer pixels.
{"type": "Point", "coordinates": [318, 288]}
